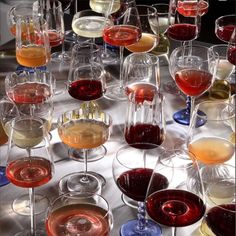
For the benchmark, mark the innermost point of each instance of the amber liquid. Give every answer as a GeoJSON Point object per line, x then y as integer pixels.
{"type": "Point", "coordinates": [3, 136]}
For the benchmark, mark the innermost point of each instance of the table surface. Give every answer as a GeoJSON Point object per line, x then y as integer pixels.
{"type": "Point", "coordinates": [11, 223]}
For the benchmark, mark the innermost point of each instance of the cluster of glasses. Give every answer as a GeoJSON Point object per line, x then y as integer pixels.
{"type": "Point", "coordinates": [175, 187]}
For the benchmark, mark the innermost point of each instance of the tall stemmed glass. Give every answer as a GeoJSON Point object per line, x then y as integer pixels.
{"type": "Point", "coordinates": [125, 31]}
{"type": "Point", "coordinates": [193, 68]}
{"type": "Point", "coordinates": [132, 176]}
{"type": "Point", "coordinates": [182, 202]}
{"type": "Point", "coordinates": [31, 167]}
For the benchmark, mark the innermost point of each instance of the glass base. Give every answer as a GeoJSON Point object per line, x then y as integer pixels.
{"type": "Point", "coordinates": [114, 92]}
{"type": "Point", "coordinates": [61, 57]}
{"type": "Point", "coordinates": [77, 182]}
{"type": "Point", "coordinates": [129, 201]}
{"type": "Point", "coordinates": [94, 154]}
{"type": "Point", "coordinates": [109, 57]}
{"type": "Point", "coordinates": [21, 205]}
{"type": "Point", "coordinates": [38, 232]}
{"type": "Point", "coordinates": [3, 179]}
{"type": "Point", "coordinates": [130, 228]}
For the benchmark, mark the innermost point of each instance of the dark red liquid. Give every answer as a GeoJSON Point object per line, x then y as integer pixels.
{"type": "Point", "coordinates": [121, 35]}
{"type": "Point", "coordinates": [182, 32]}
{"type": "Point", "coordinates": [224, 32]}
{"type": "Point", "coordinates": [231, 55]}
{"type": "Point", "coordinates": [134, 183]}
{"type": "Point", "coordinates": [54, 39]}
{"type": "Point", "coordinates": [193, 82]}
{"type": "Point", "coordinates": [221, 220]}
{"type": "Point", "coordinates": [191, 8]}
{"type": "Point", "coordinates": [176, 208]}
{"type": "Point", "coordinates": [29, 172]}
{"type": "Point", "coordinates": [144, 133]}
{"type": "Point", "coordinates": [86, 90]}
{"type": "Point", "coordinates": [29, 93]}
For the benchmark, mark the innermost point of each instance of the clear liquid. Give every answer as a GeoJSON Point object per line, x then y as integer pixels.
{"type": "Point", "coordinates": [224, 69]}
{"type": "Point", "coordinates": [102, 6]}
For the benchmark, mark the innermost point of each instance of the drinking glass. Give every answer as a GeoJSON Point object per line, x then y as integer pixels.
{"type": "Point", "coordinates": [30, 167]}
{"type": "Point", "coordinates": [83, 129]}
{"type": "Point", "coordinates": [231, 51]}
{"type": "Point", "coordinates": [150, 30]}
{"type": "Point", "coordinates": [125, 31]}
{"type": "Point", "coordinates": [221, 88]}
{"type": "Point", "coordinates": [32, 42]}
{"type": "Point", "coordinates": [211, 142]}
{"type": "Point", "coordinates": [193, 68]}
{"type": "Point", "coordinates": [232, 101]}
{"type": "Point", "coordinates": [83, 214]}
{"type": "Point", "coordinates": [179, 203]}
{"type": "Point", "coordinates": [132, 176]}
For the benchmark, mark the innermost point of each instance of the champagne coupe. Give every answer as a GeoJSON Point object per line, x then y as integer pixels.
{"type": "Point", "coordinates": [125, 31]}
{"type": "Point", "coordinates": [83, 129]}
{"type": "Point", "coordinates": [231, 51]}
{"type": "Point", "coordinates": [150, 30]}
{"type": "Point", "coordinates": [193, 68]}
{"type": "Point", "coordinates": [132, 176]}
{"type": "Point", "coordinates": [83, 214]}
{"type": "Point", "coordinates": [181, 203]}
{"type": "Point", "coordinates": [211, 142]}
{"type": "Point", "coordinates": [31, 167]}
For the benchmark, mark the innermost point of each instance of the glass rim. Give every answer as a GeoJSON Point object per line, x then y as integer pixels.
{"type": "Point", "coordinates": [152, 56]}
{"type": "Point", "coordinates": [225, 16]}
{"type": "Point", "coordinates": [143, 6]}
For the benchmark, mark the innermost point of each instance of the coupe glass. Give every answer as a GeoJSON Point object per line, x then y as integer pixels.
{"type": "Point", "coordinates": [231, 51]}
{"type": "Point", "coordinates": [179, 203]}
{"type": "Point", "coordinates": [31, 167]}
{"type": "Point", "coordinates": [132, 176]}
{"type": "Point", "coordinates": [83, 214]}
{"type": "Point", "coordinates": [125, 31]}
{"type": "Point", "coordinates": [211, 142]}
{"type": "Point", "coordinates": [193, 68]}
{"type": "Point", "coordinates": [83, 129]}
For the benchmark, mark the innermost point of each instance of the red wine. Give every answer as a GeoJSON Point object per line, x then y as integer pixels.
{"type": "Point", "coordinates": [86, 90]}
{"type": "Point", "coordinates": [175, 208]}
{"type": "Point", "coordinates": [231, 55]}
{"type": "Point", "coordinates": [29, 172]}
{"type": "Point", "coordinates": [30, 93]}
{"type": "Point", "coordinates": [224, 32]}
{"type": "Point", "coordinates": [121, 35]}
{"type": "Point", "coordinates": [144, 133]}
{"type": "Point", "coordinates": [78, 219]}
{"type": "Point", "coordinates": [221, 220]}
{"type": "Point", "coordinates": [182, 32]}
{"type": "Point", "coordinates": [134, 183]}
{"type": "Point", "coordinates": [193, 82]}
{"type": "Point", "coordinates": [55, 38]}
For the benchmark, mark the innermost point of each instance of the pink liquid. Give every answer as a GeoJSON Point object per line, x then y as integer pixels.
{"type": "Point", "coordinates": [29, 173]}
{"type": "Point", "coordinates": [224, 32]}
{"type": "Point", "coordinates": [65, 221]}
{"type": "Point", "coordinates": [54, 39]}
{"type": "Point", "coordinates": [231, 55]}
{"type": "Point", "coordinates": [192, 8]}
{"type": "Point", "coordinates": [182, 32]}
{"type": "Point", "coordinates": [30, 93]}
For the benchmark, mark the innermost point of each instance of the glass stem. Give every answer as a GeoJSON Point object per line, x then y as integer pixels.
{"type": "Point", "coordinates": [188, 105]}
{"type": "Point", "coordinates": [121, 66]}
{"type": "Point", "coordinates": [85, 164]}
{"type": "Point", "coordinates": [173, 231]}
{"type": "Point", "coordinates": [32, 210]}
{"type": "Point", "coordinates": [141, 216]}
{"type": "Point", "coordinates": [192, 100]}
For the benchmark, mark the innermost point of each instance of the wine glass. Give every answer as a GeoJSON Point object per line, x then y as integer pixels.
{"type": "Point", "coordinates": [125, 31]}
{"type": "Point", "coordinates": [231, 51]}
{"type": "Point", "coordinates": [30, 167]}
{"type": "Point", "coordinates": [150, 30]}
{"type": "Point", "coordinates": [132, 176]}
{"type": "Point", "coordinates": [83, 214]}
{"type": "Point", "coordinates": [181, 203]}
{"type": "Point", "coordinates": [83, 129]}
{"type": "Point", "coordinates": [193, 68]}
{"type": "Point", "coordinates": [211, 142]}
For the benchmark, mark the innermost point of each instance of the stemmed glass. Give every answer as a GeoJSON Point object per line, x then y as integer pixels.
{"type": "Point", "coordinates": [231, 51]}
{"type": "Point", "coordinates": [83, 214]}
{"type": "Point", "coordinates": [83, 129]}
{"type": "Point", "coordinates": [125, 31]}
{"type": "Point", "coordinates": [181, 203]}
{"type": "Point", "coordinates": [31, 167]}
{"type": "Point", "coordinates": [193, 68]}
{"type": "Point", "coordinates": [132, 176]}
{"type": "Point", "coordinates": [211, 142]}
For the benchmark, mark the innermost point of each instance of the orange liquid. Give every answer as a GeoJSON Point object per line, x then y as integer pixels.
{"type": "Point", "coordinates": [145, 44]}
{"type": "Point", "coordinates": [3, 136]}
{"type": "Point", "coordinates": [24, 28]}
{"type": "Point", "coordinates": [32, 56]}
{"type": "Point", "coordinates": [212, 150]}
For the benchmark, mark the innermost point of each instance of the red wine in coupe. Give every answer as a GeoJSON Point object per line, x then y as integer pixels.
{"type": "Point", "coordinates": [182, 32]}
{"type": "Point", "coordinates": [192, 8]}
{"type": "Point", "coordinates": [86, 90]}
{"type": "Point", "coordinates": [224, 32]}
{"type": "Point", "coordinates": [29, 172]}
{"type": "Point", "coordinates": [176, 208]}
{"type": "Point", "coordinates": [193, 82]}
{"type": "Point", "coordinates": [134, 183]}
{"type": "Point", "coordinates": [55, 38]}
{"type": "Point", "coordinates": [231, 55]}
{"type": "Point", "coordinates": [66, 221]}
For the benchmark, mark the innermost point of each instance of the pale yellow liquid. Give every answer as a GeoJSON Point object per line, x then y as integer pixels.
{"type": "Point", "coordinates": [102, 6]}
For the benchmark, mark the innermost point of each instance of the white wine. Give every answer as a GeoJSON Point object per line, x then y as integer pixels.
{"type": "Point", "coordinates": [224, 69]}
{"type": "Point", "coordinates": [102, 6]}
{"type": "Point", "coordinates": [90, 26]}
